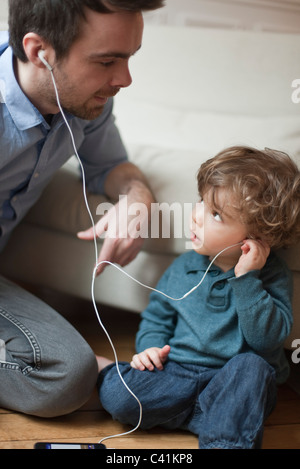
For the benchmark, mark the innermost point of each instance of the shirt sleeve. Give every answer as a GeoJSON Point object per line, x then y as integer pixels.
{"type": "Point", "coordinates": [102, 149]}
{"type": "Point", "coordinates": [264, 305]}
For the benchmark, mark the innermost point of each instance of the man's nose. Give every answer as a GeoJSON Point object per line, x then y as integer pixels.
{"type": "Point", "coordinates": [122, 77]}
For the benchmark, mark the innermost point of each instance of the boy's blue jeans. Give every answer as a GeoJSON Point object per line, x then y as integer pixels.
{"type": "Point", "coordinates": [225, 407]}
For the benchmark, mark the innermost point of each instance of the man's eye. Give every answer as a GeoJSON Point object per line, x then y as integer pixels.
{"type": "Point", "coordinates": [107, 64]}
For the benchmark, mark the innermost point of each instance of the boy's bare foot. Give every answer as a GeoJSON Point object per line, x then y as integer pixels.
{"type": "Point", "coordinates": [102, 362]}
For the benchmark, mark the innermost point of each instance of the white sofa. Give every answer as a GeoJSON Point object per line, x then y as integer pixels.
{"type": "Point", "coordinates": [195, 91]}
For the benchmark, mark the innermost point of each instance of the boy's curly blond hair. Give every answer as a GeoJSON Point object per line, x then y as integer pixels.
{"type": "Point", "coordinates": [265, 185]}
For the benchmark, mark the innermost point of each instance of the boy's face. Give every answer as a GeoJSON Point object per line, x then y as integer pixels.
{"type": "Point", "coordinates": [214, 230]}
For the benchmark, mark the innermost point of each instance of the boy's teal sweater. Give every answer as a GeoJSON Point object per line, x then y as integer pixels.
{"type": "Point", "coordinates": [224, 317]}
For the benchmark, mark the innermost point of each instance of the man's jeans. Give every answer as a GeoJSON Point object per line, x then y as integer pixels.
{"type": "Point", "coordinates": [46, 367]}
{"type": "Point", "coordinates": [226, 408]}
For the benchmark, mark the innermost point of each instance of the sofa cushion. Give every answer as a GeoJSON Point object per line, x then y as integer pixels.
{"type": "Point", "coordinates": [185, 109]}
{"type": "Point", "coordinates": [166, 127]}
{"type": "Point", "coordinates": [222, 71]}
{"type": "Point", "coordinates": [171, 145]}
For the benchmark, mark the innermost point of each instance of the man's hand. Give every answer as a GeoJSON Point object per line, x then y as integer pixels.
{"type": "Point", "coordinates": [254, 256]}
{"type": "Point", "coordinates": [151, 358]}
{"type": "Point", "coordinates": [122, 240]}
{"type": "Point", "coordinates": [126, 224]}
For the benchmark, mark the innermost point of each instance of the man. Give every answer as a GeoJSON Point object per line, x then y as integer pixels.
{"type": "Point", "coordinates": [46, 368]}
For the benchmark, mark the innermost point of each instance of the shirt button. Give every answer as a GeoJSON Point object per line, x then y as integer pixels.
{"type": "Point", "coordinates": [36, 175]}
{"type": "Point", "coordinates": [214, 273]}
{"type": "Point", "coordinates": [220, 285]}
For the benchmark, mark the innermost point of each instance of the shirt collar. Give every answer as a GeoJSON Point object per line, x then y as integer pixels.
{"type": "Point", "coordinates": [198, 263]}
{"type": "Point", "coordinates": [22, 111]}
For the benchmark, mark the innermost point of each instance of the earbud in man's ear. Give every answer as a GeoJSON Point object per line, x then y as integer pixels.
{"type": "Point", "coordinates": [42, 58]}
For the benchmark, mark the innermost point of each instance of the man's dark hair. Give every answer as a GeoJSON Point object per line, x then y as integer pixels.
{"type": "Point", "coordinates": [58, 21]}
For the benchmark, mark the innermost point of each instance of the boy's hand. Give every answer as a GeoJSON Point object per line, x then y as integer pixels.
{"type": "Point", "coordinates": [150, 358]}
{"type": "Point", "coordinates": [254, 256]}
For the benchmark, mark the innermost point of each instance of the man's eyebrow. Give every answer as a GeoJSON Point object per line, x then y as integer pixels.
{"type": "Point", "coordinates": [113, 54]}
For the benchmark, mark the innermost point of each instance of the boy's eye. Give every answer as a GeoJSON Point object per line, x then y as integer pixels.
{"type": "Point", "coordinates": [217, 216]}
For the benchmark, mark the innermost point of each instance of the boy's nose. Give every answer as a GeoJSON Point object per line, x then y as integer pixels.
{"type": "Point", "coordinates": [198, 213]}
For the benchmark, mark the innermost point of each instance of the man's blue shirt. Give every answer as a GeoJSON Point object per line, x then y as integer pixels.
{"type": "Point", "coordinates": [31, 150]}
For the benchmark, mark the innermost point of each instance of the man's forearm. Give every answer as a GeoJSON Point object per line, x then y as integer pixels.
{"type": "Point", "coordinates": [127, 179]}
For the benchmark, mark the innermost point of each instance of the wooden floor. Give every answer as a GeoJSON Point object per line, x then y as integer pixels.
{"type": "Point", "coordinates": [91, 423]}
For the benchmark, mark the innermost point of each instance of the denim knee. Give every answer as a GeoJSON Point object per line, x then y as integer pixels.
{"type": "Point", "coordinates": [245, 364]}
{"type": "Point", "coordinates": [68, 391]}
{"type": "Point", "coordinates": [115, 397]}
{"type": "Point", "coordinates": [44, 379]}
{"type": "Point", "coordinates": [167, 396]}
{"type": "Point", "coordinates": [46, 369]}
{"type": "Point", "coordinates": [52, 392]}
{"type": "Point", "coordinates": [235, 404]}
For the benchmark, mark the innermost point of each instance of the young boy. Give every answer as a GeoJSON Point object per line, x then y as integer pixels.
{"type": "Point", "coordinates": [210, 362]}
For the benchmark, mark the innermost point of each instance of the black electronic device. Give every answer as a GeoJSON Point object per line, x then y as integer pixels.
{"type": "Point", "coordinates": [61, 445]}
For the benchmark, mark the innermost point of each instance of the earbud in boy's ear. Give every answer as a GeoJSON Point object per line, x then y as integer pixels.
{"type": "Point", "coordinates": [42, 58]}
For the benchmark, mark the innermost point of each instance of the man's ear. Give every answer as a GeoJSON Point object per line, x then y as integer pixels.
{"type": "Point", "coordinates": [32, 44]}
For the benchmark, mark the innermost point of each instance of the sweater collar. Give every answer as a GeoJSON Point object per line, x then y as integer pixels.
{"type": "Point", "coordinates": [198, 263]}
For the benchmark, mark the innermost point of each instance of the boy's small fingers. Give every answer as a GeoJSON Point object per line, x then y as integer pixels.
{"type": "Point", "coordinates": [136, 363]}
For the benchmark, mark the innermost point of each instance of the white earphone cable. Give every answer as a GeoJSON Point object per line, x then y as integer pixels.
{"type": "Point", "coordinates": [95, 269]}
{"type": "Point", "coordinates": [97, 264]}
{"type": "Point", "coordinates": [162, 293]}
